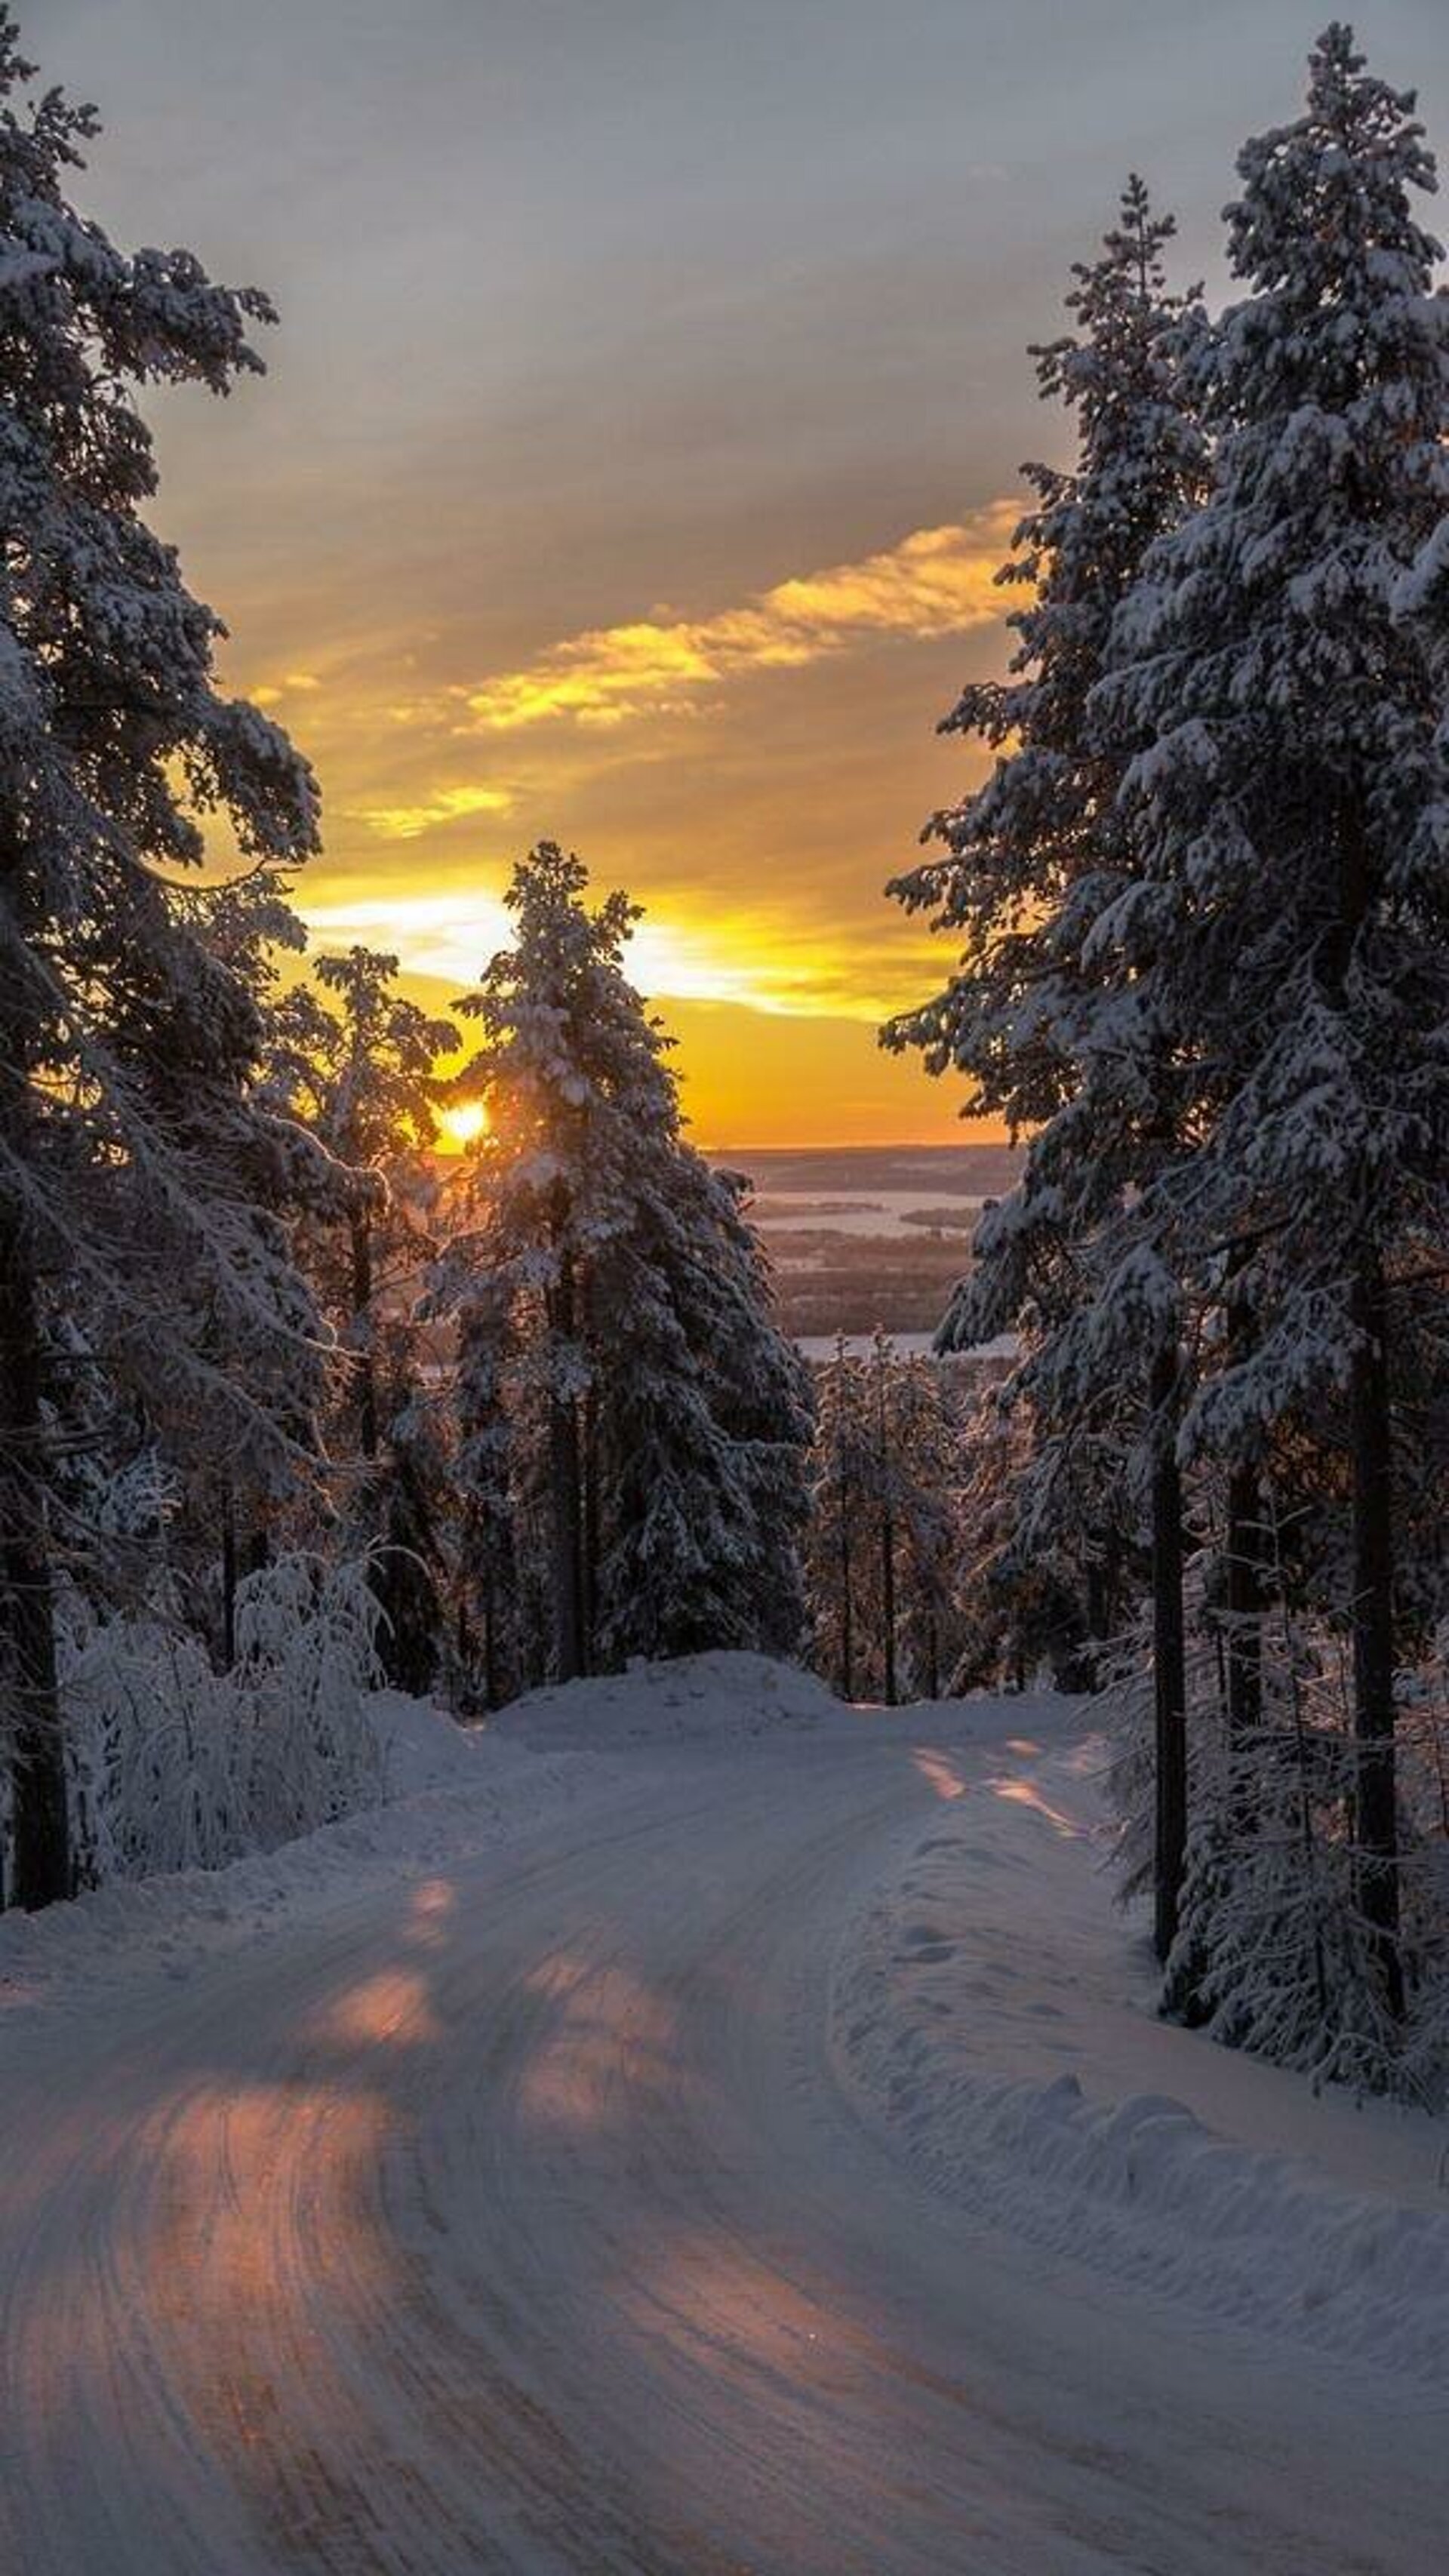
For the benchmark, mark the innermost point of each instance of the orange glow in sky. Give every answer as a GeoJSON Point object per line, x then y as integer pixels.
{"type": "Point", "coordinates": [645, 491]}
{"type": "Point", "coordinates": [710, 762]}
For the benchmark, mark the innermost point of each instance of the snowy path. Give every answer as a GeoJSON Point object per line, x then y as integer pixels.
{"type": "Point", "coordinates": [515, 2218]}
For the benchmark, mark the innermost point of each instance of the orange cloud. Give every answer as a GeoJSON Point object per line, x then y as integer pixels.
{"type": "Point", "coordinates": [446, 805]}
{"type": "Point", "coordinates": [937, 581]}
{"type": "Point", "coordinates": [274, 693]}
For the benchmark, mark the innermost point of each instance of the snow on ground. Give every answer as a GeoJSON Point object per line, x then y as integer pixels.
{"type": "Point", "coordinates": [992, 2010]}
{"type": "Point", "coordinates": [712, 1699]}
{"type": "Point", "coordinates": [694, 2126]}
{"type": "Point", "coordinates": [423, 1746]}
{"type": "Point", "coordinates": [453, 1792]}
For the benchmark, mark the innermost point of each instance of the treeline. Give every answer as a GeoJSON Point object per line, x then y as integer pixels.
{"type": "Point", "coordinates": [1202, 905]}
{"type": "Point", "coordinates": [917, 1584]}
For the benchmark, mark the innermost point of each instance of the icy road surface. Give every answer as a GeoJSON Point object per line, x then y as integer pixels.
{"type": "Point", "coordinates": [521, 2212]}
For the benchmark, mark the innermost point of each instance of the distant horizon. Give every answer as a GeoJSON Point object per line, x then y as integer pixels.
{"type": "Point", "coordinates": [883, 1146]}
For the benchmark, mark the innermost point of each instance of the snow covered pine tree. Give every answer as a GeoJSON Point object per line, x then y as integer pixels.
{"type": "Point", "coordinates": [1051, 1035]}
{"type": "Point", "coordinates": [1291, 814]}
{"type": "Point", "coordinates": [130, 1154]}
{"type": "Point", "coordinates": [609, 1277]}
{"type": "Point", "coordinates": [354, 1061]}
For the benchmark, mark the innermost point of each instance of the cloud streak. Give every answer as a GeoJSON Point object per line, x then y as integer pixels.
{"type": "Point", "coordinates": [450, 937]}
{"type": "Point", "coordinates": [446, 805]}
{"type": "Point", "coordinates": [937, 581]}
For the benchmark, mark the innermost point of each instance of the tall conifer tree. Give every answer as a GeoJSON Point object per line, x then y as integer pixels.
{"type": "Point", "coordinates": [608, 1272]}
{"type": "Point", "coordinates": [131, 1154]}
{"type": "Point", "coordinates": [1050, 1034]}
{"type": "Point", "coordinates": [1290, 810]}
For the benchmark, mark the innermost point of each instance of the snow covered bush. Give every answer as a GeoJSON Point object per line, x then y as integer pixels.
{"type": "Point", "coordinates": [177, 1766]}
{"type": "Point", "coordinates": [1275, 1952]}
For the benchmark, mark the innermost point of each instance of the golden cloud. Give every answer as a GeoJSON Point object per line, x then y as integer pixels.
{"type": "Point", "coordinates": [448, 805]}
{"type": "Point", "coordinates": [937, 581]}
{"type": "Point", "coordinates": [274, 693]}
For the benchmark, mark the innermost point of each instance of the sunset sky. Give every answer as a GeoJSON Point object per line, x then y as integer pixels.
{"type": "Point", "coordinates": [642, 433]}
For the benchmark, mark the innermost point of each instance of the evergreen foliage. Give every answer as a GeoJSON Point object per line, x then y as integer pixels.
{"type": "Point", "coordinates": [622, 1387]}
{"type": "Point", "coordinates": [133, 1151]}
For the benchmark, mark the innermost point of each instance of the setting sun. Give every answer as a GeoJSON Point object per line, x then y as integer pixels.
{"type": "Point", "coordinates": [461, 1126]}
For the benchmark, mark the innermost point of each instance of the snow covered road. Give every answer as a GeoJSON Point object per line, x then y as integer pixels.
{"type": "Point", "coordinates": [512, 2214]}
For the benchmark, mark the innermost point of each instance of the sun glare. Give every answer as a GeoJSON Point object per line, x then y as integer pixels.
{"type": "Point", "coordinates": [462, 1126]}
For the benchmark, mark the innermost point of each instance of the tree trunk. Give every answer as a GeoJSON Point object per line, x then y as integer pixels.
{"type": "Point", "coordinates": [40, 1829]}
{"type": "Point", "coordinates": [847, 1610]}
{"type": "Point", "coordinates": [884, 1467]}
{"type": "Point", "coordinates": [1244, 1593]}
{"type": "Point", "coordinates": [492, 1690]}
{"type": "Point", "coordinates": [847, 1592]}
{"type": "Point", "coordinates": [1169, 1660]}
{"type": "Point", "coordinates": [362, 1318]}
{"type": "Point", "coordinates": [589, 1560]}
{"type": "Point", "coordinates": [228, 1579]}
{"type": "Point", "coordinates": [1245, 1607]}
{"type": "Point", "coordinates": [566, 1479]}
{"type": "Point", "coordinates": [1098, 1604]}
{"type": "Point", "coordinates": [1376, 1826]}
{"type": "Point", "coordinates": [888, 1601]}
{"type": "Point", "coordinates": [1373, 1627]}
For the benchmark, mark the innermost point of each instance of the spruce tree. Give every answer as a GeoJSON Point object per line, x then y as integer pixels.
{"type": "Point", "coordinates": [607, 1284]}
{"type": "Point", "coordinates": [1290, 811]}
{"type": "Point", "coordinates": [355, 1060]}
{"type": "Point", "coordinates": [132, 1156]}
{"type": "Point", "coordinates": [1051, 1034]}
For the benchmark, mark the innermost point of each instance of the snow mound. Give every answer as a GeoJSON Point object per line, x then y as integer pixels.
{"type": "Point", "coordinates": [1144, 2190]}
{"type": "Point", "coordinates": [421, 1745]}
{"type": "Point", "coordinates": [697, 1698]}
{"type": "Point", "coordinates": [984, 2001]}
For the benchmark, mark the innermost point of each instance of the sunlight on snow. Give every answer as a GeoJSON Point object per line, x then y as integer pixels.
{"type": "Point", "coordinates": [390, 2006]}
{"type": "Point", "coordinates": [1025, 1793]}
{"type": "Point", "coordinates": [939, 1774]}
{"type": "Point", "coordinates": [431, 1904]}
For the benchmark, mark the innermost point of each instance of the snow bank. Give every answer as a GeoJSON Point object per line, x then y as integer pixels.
{"type": "Point", "coordinates": [421, 1745]}
{"type": "Point", "coordinates": [716, 1698]}
{"type": "Point", "coordinates": [462, 1793]}
{"type": "Point", "coordinates": [993, 2018]}
{"type": "Point", "coordinates": [449, 1793]}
